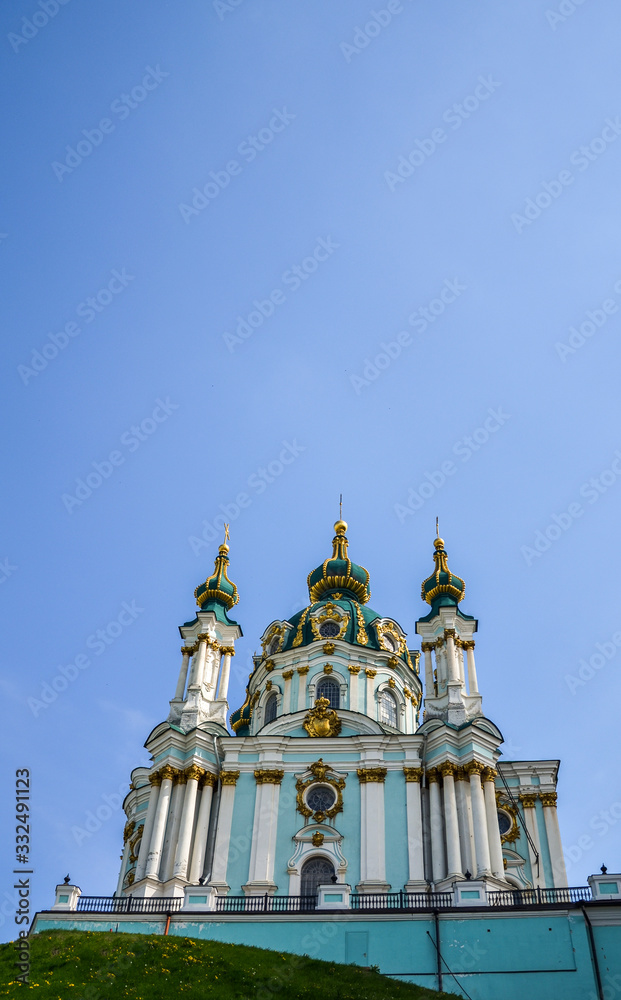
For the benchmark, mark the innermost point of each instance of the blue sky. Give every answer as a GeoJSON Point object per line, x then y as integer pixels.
{"type": "Point", "coordinates": [413, 219]}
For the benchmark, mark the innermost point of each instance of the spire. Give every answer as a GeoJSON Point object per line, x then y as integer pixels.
{"type": "Point", "coordinates": [339, 574]}
{"type": "Point", "coordinates": [218, 587]}
{"type": "Point", "coordinates": [442, 587]}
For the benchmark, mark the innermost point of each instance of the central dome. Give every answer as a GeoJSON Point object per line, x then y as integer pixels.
{"type": "Point", "coordinates": [339, 575]}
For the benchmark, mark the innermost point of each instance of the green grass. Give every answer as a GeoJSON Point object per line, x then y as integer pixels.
{"type": "Point", "coordinates": [81, 965]}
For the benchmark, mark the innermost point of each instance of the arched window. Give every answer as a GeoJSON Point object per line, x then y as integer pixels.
{"type": "Point", "coordinates": [328, 688]}
{"type": "Point", "coordinates": [315, 871]}
{"type": "Point", "coordinates": [271, 708]}
{"type": "Point", "coordinates": [388, 709]}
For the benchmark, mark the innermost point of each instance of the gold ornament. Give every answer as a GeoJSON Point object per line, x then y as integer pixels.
{"type": "Point", "coordinates": [413, 774]}
{"type": "Point", "coordinates": [548, 798]}
{"type": "Point", "coordinates": [328, 648]}
{"type": "Point", "coordinates": [474, 767]}
{"type": "Point", "coordinates": [447, 769]}
{"type": "Point", "coordinates": [167, 773]}
{"type": "Point", "coordinates": [318, 838]}
{"type": "Point", "coordinates": [130, 826]}
{"type": "Point", "coordinates": [328, 668]}
{"type": "Point", "coordinates": [298, 635]}
{"type": "Point", "coordinates": [353, 668]}
{"type": "Point", "coordinates": [193, 773]}
{"type": "Point", "coordinates": [528, 800]}
{"type": "Point", "coordinates": [229, 777]}
{"type": "Point", "coordinates": [155, 779]}
{"type": "Point", "coordinates": [370, 672]}
{"type": "Point", "coordinates": [366, 774]}
{"type": "Point", "coordinates": [287, 675]}
{"type": "Point", "coordinates": [322, 720]}
{"type": "Point", "coordinates": [303, 670]}
{"type": "Point", "coordinates": [319, 772]}
{"type": "Point", "coordinates": [268, 776]}
{"type": "Point", "coordinates": [361, 636]}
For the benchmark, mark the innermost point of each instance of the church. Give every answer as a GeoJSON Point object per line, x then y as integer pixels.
{"type": "Point", "coordinates": [358, 808]}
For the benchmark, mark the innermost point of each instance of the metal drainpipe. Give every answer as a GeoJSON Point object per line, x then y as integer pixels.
{"type": "Point", "coordinates": [213, 825]}
{"type": "Point", "coordinates": [592, 949]}
{"type": "Point", "coordinates": [436, 917]}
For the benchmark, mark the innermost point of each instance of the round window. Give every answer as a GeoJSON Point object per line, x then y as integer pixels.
{"type": "Point", "coordinates": [504, 823]}
{"type": "Point", "coordinates": [320, 798]}
{"type": "Point", "coordinates": [329, 630]}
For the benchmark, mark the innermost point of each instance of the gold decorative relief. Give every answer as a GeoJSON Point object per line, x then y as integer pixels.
{"type": "Point", "coordinates": [322, 720]}
{"type": "Point", "coordinates": [366, 774]}
{"type": "Point", "coordinates": [320, 773]}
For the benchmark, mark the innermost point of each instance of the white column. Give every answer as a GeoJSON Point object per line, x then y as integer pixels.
{"type": "Point", "coordinates": [416, 865]}
{"type": "Point", "coordinates": [228, 780]}
{"type": "Point", "coordinates": [286, 701]}
{"type": "Point", "coordinates": [464, 813]}
{"type": "Point", "coordinates": [453, 668]}
{"type": "Point", "coordinates": [170, 844]}
{"type": "Point", "coordinates": [529, 805]}
{"type": "Point", "coordinates": [145, 842]}
{"type": "Point", "coordinates": [430, 688]}
{"type": "Point", "coordinates": [225, 671]}
{"type": "Point", "coordinates": [559, 873]}
{"type": "Point", "coordinates": [473, 687]}
{"type": "Point", "coordinates": [459, 653]}
{"type": "Point", "coordinates": [373, 828]}
{"type": "Point", "coordinates": [182, 855]}
{"type": "Point", "coordinates": [124, 857]}
{"type": "Point", "coordinates": [263, 851]}
{"type": "Point", "coordinates": [212, 663]}
{"type": "Point", "coordinates": [408, 721]}
{"type": "Point", "coordinates": [370, 707]}
{"type": "Point", "coordinates": [183, 672]}
{"type": "Point", "coordinates": [493, 830]}
{"type": "Point", "coordinates": [354, 670]}
{"type": "Point", "coordinates": [198, 663]}
{"type": "Point", "coordinates": [202, 827]}
{"type": "Point", "coordinates": [159, 825]}
{"type": "Point", "coordinates": [479, 818]}
{"type": "Point", "coordinates": [438, 860]}
{"type": "Point", "coordinates": [453, 851]}
{"type": "Point", "coordinates": [302, 675]}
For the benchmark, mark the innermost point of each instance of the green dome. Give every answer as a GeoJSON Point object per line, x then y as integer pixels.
{"type": "Point", "coordinates": [218, 587]}
{"type": "Point", "coordinates": [339, 575]}
{"type": "Point", "coordinates": [442, 587]}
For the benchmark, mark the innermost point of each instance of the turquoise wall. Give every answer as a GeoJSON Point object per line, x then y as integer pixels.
{"type": "Point", "coordinates": [396, 831]}
{"type": "Point", "coordinates": [542, 956]}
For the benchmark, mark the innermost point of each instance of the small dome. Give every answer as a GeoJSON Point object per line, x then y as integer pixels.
{"type": "Point", "coordinates": [442, 587]}
{"type": "Point", "coordinates": [339, 573]}
{"type": "Point", "coordinates": [218, 587]}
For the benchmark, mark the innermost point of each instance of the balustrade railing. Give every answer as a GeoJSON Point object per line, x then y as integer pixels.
{"type": "Point", "coordinates": [376, 902]}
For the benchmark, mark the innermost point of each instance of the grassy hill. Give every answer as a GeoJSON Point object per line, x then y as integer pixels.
{"type": "Point", "coordinates": [77, 965]}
